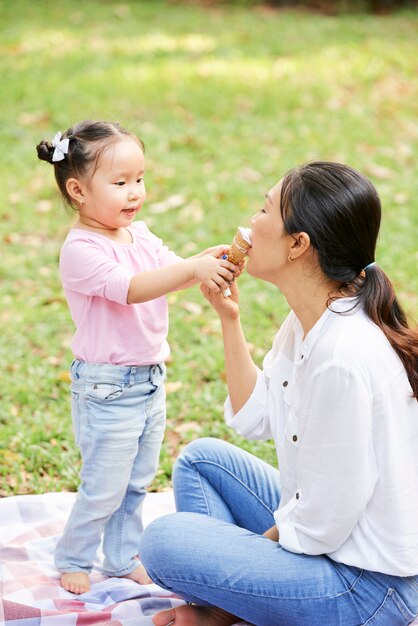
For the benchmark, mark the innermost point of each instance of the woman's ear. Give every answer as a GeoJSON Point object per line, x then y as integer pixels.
{"type": "Point", "coordinates": [301, 242]}
{"type": "Point", "coordinates": [75, 190]}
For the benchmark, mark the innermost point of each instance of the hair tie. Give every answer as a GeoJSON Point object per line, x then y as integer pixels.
{"type": "Point", "coordinates": [369, 265]}
{"type": "Point", "coordinates": [61, 147]}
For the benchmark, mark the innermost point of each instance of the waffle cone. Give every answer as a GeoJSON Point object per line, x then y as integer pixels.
{"type": "Point", "coordinates": [238, 250]}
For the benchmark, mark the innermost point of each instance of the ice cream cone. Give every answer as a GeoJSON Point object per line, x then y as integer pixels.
{"type": "Point", "coordinates": [238, 250]}
{"type": "Point", "coordinates": [240, 245]}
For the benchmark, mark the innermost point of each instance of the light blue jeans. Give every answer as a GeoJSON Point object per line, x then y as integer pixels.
{"type": "Point", "coordinates": [119, 420]}
{"type": "Point", "coordinates": [212, 552]}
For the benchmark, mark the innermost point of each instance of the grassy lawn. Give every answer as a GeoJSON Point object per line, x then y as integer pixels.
{"type": "Point", "coordinates": [226, 100]}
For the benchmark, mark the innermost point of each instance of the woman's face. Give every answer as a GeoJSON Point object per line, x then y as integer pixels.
{"type": "Point", "coordinates": [270, 243]}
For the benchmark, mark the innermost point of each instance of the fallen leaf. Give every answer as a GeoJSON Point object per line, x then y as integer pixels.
{"type": "Point", "coordinates": [44, 206]}
{"type": "Point", "coordinates": [379, 171]}
{"type": "Point", "coordinates": [173, 202]}
{"type": "Point", "coordinates": [172, 387]}
{"type": "Point", "coordinates": [187, 427]}
{"type": "Point", "coordinates": [192, 307]}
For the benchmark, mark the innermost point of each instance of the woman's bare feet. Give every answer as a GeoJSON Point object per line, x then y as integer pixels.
{"type": "Point", "coordinates": [139, 575]}
{"type": "Point", "coordinates": [76, 582]}
{"type": "Point", "coordinates": [194, 616]}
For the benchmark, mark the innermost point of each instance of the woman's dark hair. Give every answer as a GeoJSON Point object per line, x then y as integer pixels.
{"type": "Point", "coordinates": [87, 141]}
{"type": "Point", "coordinates": [340, 210]}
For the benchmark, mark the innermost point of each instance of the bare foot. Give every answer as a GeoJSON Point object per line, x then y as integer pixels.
{"type": "Point", "coordinates": [76, 582]}
{"type": "Point", "coordinates": [139, 575]}
{"type": "Point", "coordinates": [194, 616]}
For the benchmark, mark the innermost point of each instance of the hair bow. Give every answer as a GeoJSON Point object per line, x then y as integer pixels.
{"type": "Point", "coordinates": [61, 147]}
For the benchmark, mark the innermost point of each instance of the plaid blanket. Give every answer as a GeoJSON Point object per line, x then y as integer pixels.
{"type": "Point", "coordinates": [30, 593]}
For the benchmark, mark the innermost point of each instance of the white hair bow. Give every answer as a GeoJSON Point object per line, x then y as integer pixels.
{"type": "Point", "coordinates": [61, 147]}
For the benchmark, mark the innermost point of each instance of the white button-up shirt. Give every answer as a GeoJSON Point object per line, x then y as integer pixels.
{"type": "Point", "coordinates": [338, 405]}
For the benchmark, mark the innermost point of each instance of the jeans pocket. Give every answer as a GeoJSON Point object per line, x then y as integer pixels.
{"type": "Point", "coordinates": [392, 612]}
{"type": "Point", "coordinates": [103, 392]}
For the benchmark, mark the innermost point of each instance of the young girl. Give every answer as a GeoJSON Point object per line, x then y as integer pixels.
{"type": "Point", "coordinates": [115, 275]}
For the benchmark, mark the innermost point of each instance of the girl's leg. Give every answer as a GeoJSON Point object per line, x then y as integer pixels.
{"type": "Point", "coordinates": [123, 530]}
{"type": "Point", "coordinates": [108, 423]}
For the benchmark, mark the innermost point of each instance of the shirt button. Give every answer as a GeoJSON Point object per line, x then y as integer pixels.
{"type": "Point", "coordinates": [295, 437]}
{"type": "Point", "coordinates": [297, 495]}
{"type": "Point", "coordinates": [285, 383]}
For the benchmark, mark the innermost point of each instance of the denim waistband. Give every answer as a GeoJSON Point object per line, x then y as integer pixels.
{"type": "Point", "coordinates": [115, 373]}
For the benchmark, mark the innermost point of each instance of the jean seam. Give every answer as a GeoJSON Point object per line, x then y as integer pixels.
{"type": "Point", "coordinates": [203, 491]}
{"type": "Point", "coordinates": [402, 606]}
{"type": "Point", "coordinates": [167, 581]}
{"type": "Point", "coordinates": [205, 461]}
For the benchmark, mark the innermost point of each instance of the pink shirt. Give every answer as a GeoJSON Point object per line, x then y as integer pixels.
{"type": "Point", "coordinates": [96, 272]}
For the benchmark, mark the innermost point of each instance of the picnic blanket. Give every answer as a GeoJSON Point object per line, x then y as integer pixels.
{"type": "Point", "coordinates": [30, 593]}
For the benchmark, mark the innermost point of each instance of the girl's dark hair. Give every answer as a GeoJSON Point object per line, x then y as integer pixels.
{"type": "Point", "coordinates": [340, 210]}
{"type": "Point", "coordinates": [87, 141]}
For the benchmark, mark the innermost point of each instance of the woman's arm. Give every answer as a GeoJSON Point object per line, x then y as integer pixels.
{"type": "Point", "coordinates": [241, 372]}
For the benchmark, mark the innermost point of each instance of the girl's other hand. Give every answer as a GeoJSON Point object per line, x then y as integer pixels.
{"type": "Point", "coordinates": [227, 307]}
{"type": "Point", "coordinates": [216, 251]}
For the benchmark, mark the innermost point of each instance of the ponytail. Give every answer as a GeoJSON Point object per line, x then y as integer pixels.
{"type": "Point", "coordinates": [378, 299]}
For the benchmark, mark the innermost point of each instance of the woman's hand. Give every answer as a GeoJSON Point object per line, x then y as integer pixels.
{"type": "Point", "coordinates": [227, 307]}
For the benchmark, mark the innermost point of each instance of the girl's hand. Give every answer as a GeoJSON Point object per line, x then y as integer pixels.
{"type": "Point", "coordinates": [216, 251]}
{"type": "Point", "coordinates": [216, 274]}
{"type": "Point", "coordinates": [226, 307]}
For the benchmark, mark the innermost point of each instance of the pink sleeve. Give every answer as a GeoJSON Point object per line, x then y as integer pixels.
{"type": "Point", "coordinates": [86, 269]}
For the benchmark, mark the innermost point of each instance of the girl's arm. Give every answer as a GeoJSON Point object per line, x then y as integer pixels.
{"type": "Point", "coordinates": [241, 372]}
{"type": "Point", "coordinates": [212, 272]}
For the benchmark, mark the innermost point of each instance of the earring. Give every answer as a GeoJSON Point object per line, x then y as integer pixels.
{"type": "Point", "coordinates": [289, 258]}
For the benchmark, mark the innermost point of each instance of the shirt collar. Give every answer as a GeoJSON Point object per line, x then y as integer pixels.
{"type": "Point", "coordinates": [341, 305]}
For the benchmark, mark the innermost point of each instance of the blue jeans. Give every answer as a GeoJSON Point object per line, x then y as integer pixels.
{"type": "Point", "coordinates": [119, 420]}
{"type": "Point", "coordinates": [212, 552]}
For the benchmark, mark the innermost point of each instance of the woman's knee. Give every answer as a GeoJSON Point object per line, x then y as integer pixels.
{"type": "Point", "coordinates": [199, 450]}
{"type": "Point", "coordinates": [162, 543]}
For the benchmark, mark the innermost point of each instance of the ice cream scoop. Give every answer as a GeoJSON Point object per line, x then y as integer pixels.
{"type": "Point", "coordinates": [239, 248]}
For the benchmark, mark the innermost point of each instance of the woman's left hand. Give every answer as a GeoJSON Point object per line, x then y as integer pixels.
{"type": "Point", "coordinates": [227, 307]}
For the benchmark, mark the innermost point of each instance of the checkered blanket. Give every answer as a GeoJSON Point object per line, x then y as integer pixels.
{"type": "Point", "coordinates": [30, 593]}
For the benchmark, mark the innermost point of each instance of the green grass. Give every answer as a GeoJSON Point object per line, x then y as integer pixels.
{"type": "Point", "coordinates": [226, 99]}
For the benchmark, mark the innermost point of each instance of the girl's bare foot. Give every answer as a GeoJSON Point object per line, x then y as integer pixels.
{"type": "Point", "coordinates": [139, 575]}
{"type": "Point", "coordinates": [194, 616]}
{"type": "Point", "coordinates": [76, 582]}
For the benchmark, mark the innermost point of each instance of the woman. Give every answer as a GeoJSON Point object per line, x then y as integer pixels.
{"type": "Point", "coordinates": [333, 541]}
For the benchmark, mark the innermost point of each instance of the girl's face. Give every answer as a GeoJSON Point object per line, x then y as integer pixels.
{"type": "Point", "coordinates": [116, 191]}
{"type": "Point", "coordinates": [270, 243]}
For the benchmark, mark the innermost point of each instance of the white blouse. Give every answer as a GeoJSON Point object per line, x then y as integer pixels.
{"type": "Point", "coordinates": [338, 405]}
